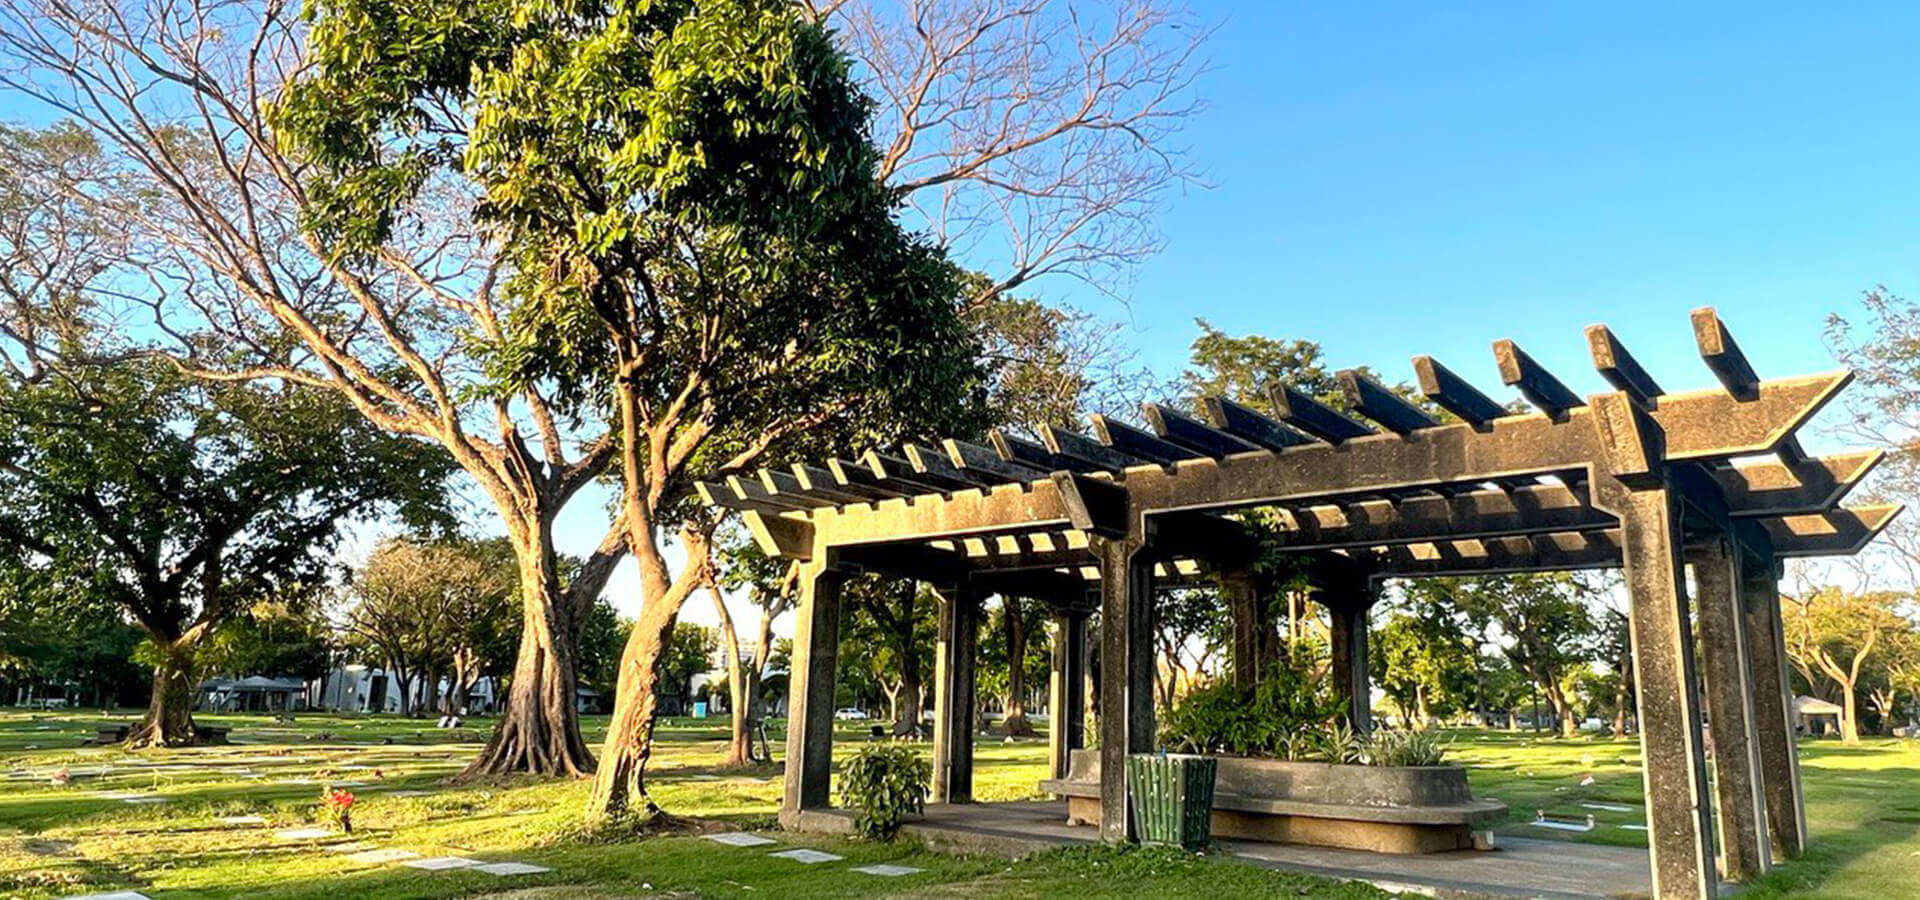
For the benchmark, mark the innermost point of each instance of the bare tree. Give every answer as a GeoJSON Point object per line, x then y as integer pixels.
{"type": "Point", "coordinates": [1039, 134]}
{"type": "Point", "coordinates": [177, 91]}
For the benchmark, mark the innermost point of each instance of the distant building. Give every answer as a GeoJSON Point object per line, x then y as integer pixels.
{"type": "Point", "coordinates": [254, 693]}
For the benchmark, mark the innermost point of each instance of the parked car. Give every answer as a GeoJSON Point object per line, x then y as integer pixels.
{"type": "Point", "coordinates": [850, 714]}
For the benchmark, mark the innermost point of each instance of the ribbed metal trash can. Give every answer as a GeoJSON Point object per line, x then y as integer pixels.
{"type": "Point", "coordinates": [1172, 798]}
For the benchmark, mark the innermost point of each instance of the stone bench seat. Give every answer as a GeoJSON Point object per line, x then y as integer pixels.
{"type": "Point", "coordinates": [1385, 809]}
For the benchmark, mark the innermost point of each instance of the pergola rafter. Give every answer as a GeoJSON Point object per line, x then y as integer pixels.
{"type": "Point", "coordinates": [1640, 478]}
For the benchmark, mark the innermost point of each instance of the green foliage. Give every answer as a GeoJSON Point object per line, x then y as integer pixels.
{"type": "Point", "coordinates": [1276, 717]}
{"type": "Point", "coordinates": [1406, 748]}
{"type": "Point", "coordinates": [1423, 662]}
{"type": "Point", "coordinates": [886, 782]}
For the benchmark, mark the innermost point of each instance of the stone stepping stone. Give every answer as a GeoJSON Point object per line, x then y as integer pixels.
{"type": "Point", "coordinates": [511, 868]}
{"type": "Point", "coordinates": [116, 895]}
{"type": "Point", "coordinates": [1610, 807]}
{"type": "Point", "coordinates": [740, 839]}
{"type": "Point", "coordinates": [348, 847]}
{"type": "Point", "coordinates": [304, 834]}
{"type": "Point", "coordinates": [887, 870]}
{"type": "Point", "coordinates": [804, 855]}
{"type": "Point", "coordinates": [441, 863]}
{"type": "Point", "coordinates": [388, 855]}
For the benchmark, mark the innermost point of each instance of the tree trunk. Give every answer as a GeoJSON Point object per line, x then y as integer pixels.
{"type": "Point", "coordinates": [738, 753]}
{"type": "Point", "coordinates": [169, 719]}
{"type": "Point", "coordinates": [1562, 710]}
{"type": "Point", "coordinates": [1016, 722]}
{"type": "Point", "coordinates": [1622, 696]}
{"type": "Point", "coordinates": [539, 727]}
{"type": "Point", "coordinates": [1849, 716]}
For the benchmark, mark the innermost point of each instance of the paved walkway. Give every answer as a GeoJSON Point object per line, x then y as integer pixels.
{"type": "Point", "coordinates": [1521, 867]}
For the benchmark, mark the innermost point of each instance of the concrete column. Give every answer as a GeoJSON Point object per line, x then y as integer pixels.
{"type": "Point", "coordinates": [1773, 709]}
{"type": "Point", "coordinates": [1679, 817]}
{"type": "Point", "coordinates": [1348, 607]}
{"type": "Point", "coordinates": [1243, 602]}
{"type": "Point", "coordinates": [1067, 692]}
{"type": "Point", "coordinates": [816, 652]}
{"type": "Point", "coordinates": [1126, 674]}
{"type": "Point", "coordinates": [1730, 703]}
{"type": "Point", "coordinates": [953, 695]}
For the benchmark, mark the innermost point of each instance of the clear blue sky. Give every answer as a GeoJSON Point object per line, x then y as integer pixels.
{"type": "Point", "coordinates": [1399, 180]}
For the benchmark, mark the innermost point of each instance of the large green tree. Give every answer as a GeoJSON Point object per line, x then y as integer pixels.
{"type": "Point", "coordinates": [694, 240]}
{"type": "Point", "coordinates": [1542, 623]}
{"type": "Point", "coordinates": [184, 501]}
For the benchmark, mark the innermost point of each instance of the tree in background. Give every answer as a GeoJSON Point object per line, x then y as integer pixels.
{"type": "Point", "coordinates": [996, 673]}
{"type": "Point", "coordinates": [435, 611]}
{"type": "Point", "coordinates": [689, 652]}
{"type": "Point", "coordinates": [287, 636]}
{"type": "Point", "coordinates": [894, 622]}
{"type": "Point", "coordinates": [261, 252]}
{"type": "Point", "coordinates": [1542, 623]}
{"type": "Point", "coordinates": [1423, 662]}
{"type": "Point", "coordinates": [770, 583]}
{"type": "Point", "coordinates": [1832, 634]}
{"type": "Point", "coordinates": [1190, 629]}
{"type": "Point", "coordinates": [185, 501]}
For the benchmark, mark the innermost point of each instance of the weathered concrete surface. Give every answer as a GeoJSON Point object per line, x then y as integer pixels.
{"type": "Point", "coordinates": [1126, 671]}
{"type": "Point", "coordinates": [1728, 667]}
{"type": "Point", "coordinates": [1349, 605]}
{"type": "Point", "coordinates": [1067, 694]}
{"type": "Point", "coordinates": [1773, 716]}
{"type": "Point", "coordinates": [1519, 868]}
{"type": "Point", "coordinates": [816, 651]}
{"type": "Point", "coordinates": [953, 695]}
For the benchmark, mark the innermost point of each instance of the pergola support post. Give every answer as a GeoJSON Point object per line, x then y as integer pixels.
{"type": "Point", "coordinates": [1349, 606]}
{"type": "Point", "coordinates": [1773, 709]}
{"type": "Point", "coordinates": [1730, 698]}
{"type": "Point", "coordinates": [816, 652]}
{"type": "Point", "coordinates": [1067, 693]}
{"type": "Point", "coordinates": [1679, 816]}
{"type": "Point", "coordinates": [1126, 673]}
{"type": "Point", "coordinates": [953, 698]}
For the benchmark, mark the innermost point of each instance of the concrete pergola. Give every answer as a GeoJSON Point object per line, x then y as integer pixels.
{"type": "Point", "coordinates": [1636, 478]}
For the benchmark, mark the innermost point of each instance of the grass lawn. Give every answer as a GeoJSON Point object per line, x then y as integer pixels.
{"type": "Point", "coordinates": [1864, 810]}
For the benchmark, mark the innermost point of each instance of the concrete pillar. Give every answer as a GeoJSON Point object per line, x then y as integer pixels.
{"type": "Point", "coordinates": [1067, 692]}
{"type": "Point", "coordinates": [1679, 817]}
{"type": "Point", "coordinates": [1728, 668]}
{"type": "Point", "coordinates": [1348, 607]}
{"type": "Point", "coordinates": [953, 695]}
{"type": "Point", "coordinates": [1773, 709]}
{"type": "Point", "coordinates": [1243, 603]}
{"type": "Point", "coordinates": [816, 652]}
{"type": "Point", "coordinates": [1126, 674]}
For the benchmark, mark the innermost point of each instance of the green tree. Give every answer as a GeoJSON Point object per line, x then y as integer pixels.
{"type": "Point", "coordinates": [185, 501]}
{"type": "Point", "coordinates": [770, 584]}
{"type": "Point", "coordinates": [1542, 623]}
{"type": "Point", "coordinates": [893, 622]}
{"type": "Point", "coordinates": [1833, 634]}
{"type": "Point", "coordinates": [1424, 663]}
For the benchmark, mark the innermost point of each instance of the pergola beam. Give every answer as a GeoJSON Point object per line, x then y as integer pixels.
{"type": "Point", "coordinates": [1315, 418]}
{"type": "Point", "coordinates": [1619, 367]}
{"type": "Point", "coordinates": [1455, 394]}
{"type": "Point", "coordinates": [1722, 355]}
{"type": "Point", "coordinates": [1520, 372]}
{"type": "Point", "coordinates": [1193, 434]}
{"type": "Point", "coordinates": [1251, 426]}
{"type": "Point", "coordinates": [1372, 399]}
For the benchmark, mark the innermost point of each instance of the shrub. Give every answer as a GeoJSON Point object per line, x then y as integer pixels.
{"type": "Point", "coordinates": [886, 782]}
{"type": "Point", "coordinates": [1276, 717]}
{"type": "Point", "coordinates": [1406, 748]}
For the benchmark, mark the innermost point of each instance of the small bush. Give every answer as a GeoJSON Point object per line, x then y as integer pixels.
{"type": "Point", "coordinates": [1276, 717]}
{"type": "Point", "coordinates": [886, 782]}
{"type": "Point", "coordinates": [1406, 748]}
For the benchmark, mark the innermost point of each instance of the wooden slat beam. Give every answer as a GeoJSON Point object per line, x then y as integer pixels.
{"type": "Point", "coordinates": [1520, 372]}
{"type": "Point", "coordinates": [1134, 442]}
{"type": "Point", "coordinates": [935, 464]}
{"type": "Point", "coordinates": [820, 480]}
{"type": "Point", "coordinates": [1315, 418]}
{"type": "Point", "coordinates": [1373, 400]}
{"type": "Point", "coordinates": [893, 471]}
{"type": "Point", "coordinates": [752, 491]}
{"type": "Point", "coordinates": [1777, 488]}
{"type": "Point", "coordinates": [784, 484]}
{"type": "Point", "coordinates": [1193, 434]}
{"type": "Point", "coordinates": [1619, 367]}
{"type": "Point", "coordinates": [1250, 426]}
{"type": "Point", "coordinates": [1087, 451]}
{"type": "Point", "coordinates": [722, 496]}
{"type": "Point", "coordinates": [1841, 532]}
{"type": "Point", "coordinates": [1020, 451]}
{"type": "Point", "coordinates": [1537, 509]}
{"type": "Point", "coordinates": [1094, 506]}
{"type": "Point", "coordinates": [1722, 355]}
{"type": "Point", "coordinates": [1455, 394]}
{"type": "Point", "coordinates": [988, 463]}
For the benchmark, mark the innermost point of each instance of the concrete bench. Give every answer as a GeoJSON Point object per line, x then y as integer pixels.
{"type": "Point", "coordinates": [1424, 809]}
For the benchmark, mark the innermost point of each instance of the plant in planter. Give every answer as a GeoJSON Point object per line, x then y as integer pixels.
{"type": "Point", "coordinates": [1406, 748]}
{"type": "Point", "coordinates": [886, 782]}
{"type": "Point", "coordinates": [1282, 716]}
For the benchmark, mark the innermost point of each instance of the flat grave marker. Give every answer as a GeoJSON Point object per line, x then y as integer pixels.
{"type": "Point", "coordinates": [511, 868]}
{"type": "Point", "coordinates": [887, 870]}
{"type": "Point", "coordinates": [740, 839]}
{"type": "Point", "coordinates": [809, 857]}
{"type": "Point", "coordinates": [390, 854]}
{"type": "Point", "coordinates": [441, 863]}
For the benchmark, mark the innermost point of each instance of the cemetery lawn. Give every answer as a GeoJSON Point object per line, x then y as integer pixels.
{"type": "Point", "coordinates": [86, 837]}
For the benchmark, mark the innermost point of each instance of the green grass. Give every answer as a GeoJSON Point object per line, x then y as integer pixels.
{"type": "Point", "coordinates": [1863, 810]}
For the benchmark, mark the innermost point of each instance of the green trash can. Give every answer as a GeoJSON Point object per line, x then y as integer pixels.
{"type": "Point", "coordinates": [1172, 798]}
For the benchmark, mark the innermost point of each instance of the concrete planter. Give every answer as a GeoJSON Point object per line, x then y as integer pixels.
{"type": "Point", "coordinates": [1420, 809]}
